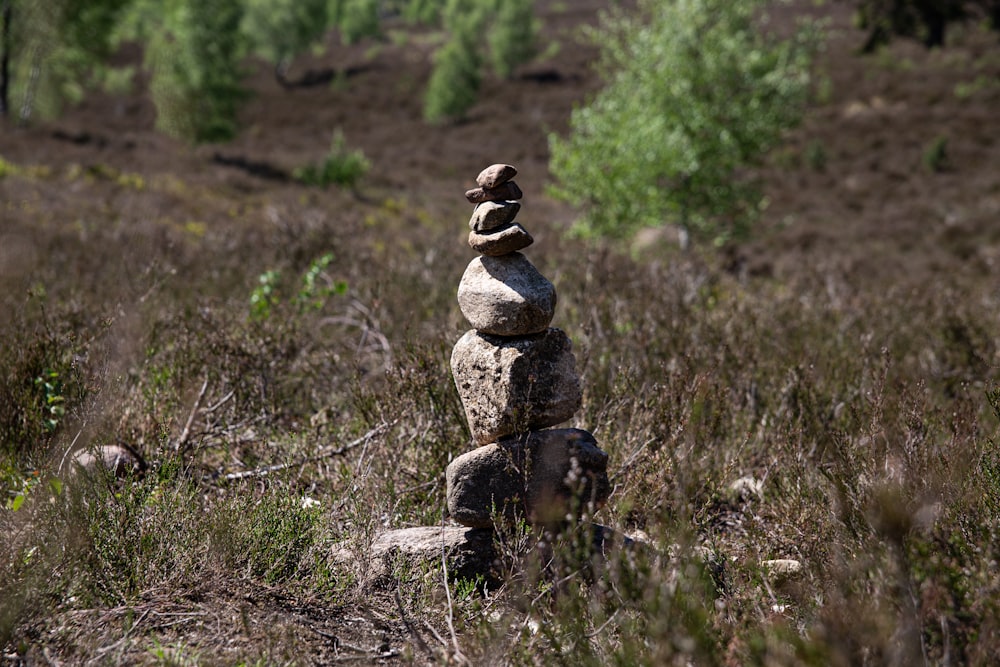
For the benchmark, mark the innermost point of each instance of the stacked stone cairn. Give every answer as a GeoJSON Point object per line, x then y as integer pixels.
{"type": "Point", "coordinates": [516, 377]}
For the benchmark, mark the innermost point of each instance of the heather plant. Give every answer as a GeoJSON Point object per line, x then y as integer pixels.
{"type": "Point", "coordinates": [872, 438]}
{"type": "Point", "coordinates": [341, 166]}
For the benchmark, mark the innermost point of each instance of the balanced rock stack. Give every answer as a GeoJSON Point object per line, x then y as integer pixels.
{"type": "Point", "coordinates": [516, 377]}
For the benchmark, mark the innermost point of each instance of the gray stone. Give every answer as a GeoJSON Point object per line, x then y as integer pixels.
{"type": "Point", "coordinates": [506, 296]}
{"type": "Point", "coordinates": [468, 552]}
{"type": "Point", "coordinates": [781, 569]}
{"type": "Point", "coordinates": [493, 215]}
{"type": "Point", "coordinates": [515, 385]}
{"type": "Point", "coordinates": [542, 476]}
{"type": "Point", "coordinates": [119, 460]}
{"type": "Point", "coordinates": [508, 190]}
{"type": "Point", "coordinates": [494, 175]}
{"type": "Point", "coordinates": [745, 489]}
{"type": "Point", "coordinates": [501, 241]}
{"type": "Point", "coordinates": [484, 482]}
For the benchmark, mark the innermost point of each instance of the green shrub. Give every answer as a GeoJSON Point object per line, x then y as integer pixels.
{"type": "Point", "coordinates": [195, 57]}
{"type": "Point", "coordinates": [427, 12]}
{"type": "Point", "coordinates": [454, 82]}
{"type": "Point", "coordinates": [816, 155]}
{"type": "Point", "coordinates": [342, 166]}
{"type": "Point", "coordinates": [695, 91]}
{"type": "Point", "coordinates": [512, 36]}
{"type": "Point", "coordinates": [935, 156]}
{"type": "Point", "coordinates": [356, 18]}
{"type": "Point", "coordinates": [279, 31]}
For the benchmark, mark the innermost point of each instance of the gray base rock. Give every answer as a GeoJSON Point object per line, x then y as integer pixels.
{"type": "Point", "coordinates": [515, 385]}
{"type": "Point", "coordinates": [468, 552]}
{"type": "Point", "coordinates": [540, 475]}
{"type": "Point", "coordinates": [506, 296]}
{"type": "Point", "coordinates": [502, 241]}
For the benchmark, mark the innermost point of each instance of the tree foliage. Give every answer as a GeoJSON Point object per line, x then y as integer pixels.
{"type": "Point", "coordinates": [513, 36]}
{"type": "Point", "coordinates": [279, 30]}
{"type": "Point", "coordinates": [501, 32]}
{"type": "Point", "coordinates": [355, 18]}
{"type": "Point", "coordinates": [195, 57]}
{"type": "Point", "coordinates": [53, 50]}
{"type": "Point", "coordinates": [695, 91]}
{"type": "Point", "coordinates": [455, 81]}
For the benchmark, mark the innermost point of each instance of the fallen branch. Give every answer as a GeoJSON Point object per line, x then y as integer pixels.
{"type": "Point", "coordinates": [339, 451]}
{"type": "Point", "coordinates": [194, 410]}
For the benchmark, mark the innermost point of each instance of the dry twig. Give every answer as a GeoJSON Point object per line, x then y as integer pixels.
{"type": "Point", "coordinates": [340, 451]}
{"type": "Point", "coordinates": [182, 440]}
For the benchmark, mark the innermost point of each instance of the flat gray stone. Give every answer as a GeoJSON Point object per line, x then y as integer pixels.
{"type": "Point", "coordinates": [119, 460]}
{"type": "Point", "coordinates": [493, 215]}
{"type": "Point", "coordinates": [508, 190]}
{"type": "Point", "coordinates": [506, 296]}
{"type": "Point", "coordinates": [494, 175]}
{"type": "Point", "coordinates": [781, 569]}
{"type": "Point", "coordinates": [515, 385]}
{"type": "Point", "coordinates": [468, 552]}
{"type": "Point", "coordinates": [501, 241]}
{"type": "Point", "coordinates": [541, 476]}
{"type": "Point", "coordinates": [745, 489]}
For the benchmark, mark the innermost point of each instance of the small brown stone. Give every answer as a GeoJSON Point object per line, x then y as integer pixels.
{"type": "Point", "coordinates": [494, 175]}
{"type": "Point", "coordinates": [508, 190]}
{"type": "Point", "coordinates": [501, 241]}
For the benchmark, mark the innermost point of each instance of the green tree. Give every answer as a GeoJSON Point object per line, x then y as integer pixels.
{"type": "Point", "coordinates": [427, 12]}
{"type": "Point", "coordinates": [279, 30]}
{"type": "Point", "coordinates": [456, 77]}
{"type": "Point", "coordinates": [512, 36]}
{"type": "Point", "coordinates": [355, 18]}
{"type": "Point", "coordinates": [499, 31]}
{"type": "Point", "coordinates": [194, 55]}
{"type": "Point", "coordinates": [51, 51]}
{"type": "Point", "coordinates": [695, 91]}
{"type": "Point", "coordinates": [454, 82]}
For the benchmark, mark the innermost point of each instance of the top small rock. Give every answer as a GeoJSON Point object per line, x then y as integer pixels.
{"type": "Point", "coordinates": [494, 175]}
